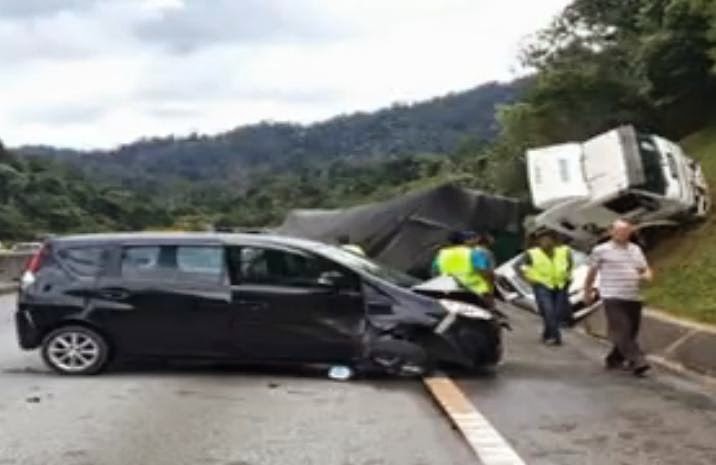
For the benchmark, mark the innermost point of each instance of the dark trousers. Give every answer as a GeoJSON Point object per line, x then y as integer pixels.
{"type": "Point", "coordinates": [566, 315]}
{"type": "Point", "coordinates": [623, 322]}
{"type": "Point", "coordinates": [551, 303]}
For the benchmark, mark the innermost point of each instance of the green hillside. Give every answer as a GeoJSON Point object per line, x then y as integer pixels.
{"type": "Point", "coordinates": [233, 159]}
{"type": "Point", "coordinates": [686, 264]}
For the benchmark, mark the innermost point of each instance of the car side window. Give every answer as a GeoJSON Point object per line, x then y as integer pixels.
{"type": "Point", "coordinates": [86, 262]}
{"type": "Point", "coordinates": [258, 265]}
{"type": "Point", "coordinates": [203, 264]}
{"type": "Point", "coordinates": [142, 262]}
{"type": "Point", "coordinates": [184, 264]}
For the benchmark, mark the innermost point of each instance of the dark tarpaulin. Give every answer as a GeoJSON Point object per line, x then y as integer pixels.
{"type": "Point", "coordinates": [406, 231]}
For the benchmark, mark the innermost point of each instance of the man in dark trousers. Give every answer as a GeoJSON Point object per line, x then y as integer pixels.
{"type": "Point", "coordinates": [548, 268]}
{"type": "Point", "coordinates": [622, 267]}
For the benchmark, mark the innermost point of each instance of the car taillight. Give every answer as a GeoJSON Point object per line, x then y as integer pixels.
{"type": "Point", "coordinates": [33, 266]}
{"type": "Point", "coordinates": [35, 263]}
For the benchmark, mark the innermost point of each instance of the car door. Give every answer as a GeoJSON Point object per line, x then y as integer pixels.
{"type": "Point", "coordinates": [167, 300]}
{"type": "Point", "coordinates": [283, 310]}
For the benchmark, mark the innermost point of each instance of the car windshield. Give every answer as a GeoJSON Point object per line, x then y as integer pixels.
{"type": "Point", "coordinates": [356, 262]}
{"type": "Point", "coordinates": [652, 162]}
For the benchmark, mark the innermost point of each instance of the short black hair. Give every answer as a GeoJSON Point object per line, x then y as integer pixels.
{"type": "Point", "coordinates": [542, 232]}
{"type": "Point", "coordinates": [344, 239]}
{"type": "Point", "coordinates": [456, 238]}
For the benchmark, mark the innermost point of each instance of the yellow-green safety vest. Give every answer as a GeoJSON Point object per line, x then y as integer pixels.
{"type": "Point", "coordinates": [456, 261]}
{"type": "Point", "coordinates": [552, 272]}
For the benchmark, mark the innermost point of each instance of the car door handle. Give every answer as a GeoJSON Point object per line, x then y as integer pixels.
{"type": "Point", "coordinates": [114, 294]}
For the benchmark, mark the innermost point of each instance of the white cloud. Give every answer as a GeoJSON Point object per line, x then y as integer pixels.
{"type": "Point", "coordinates": [94, 76]}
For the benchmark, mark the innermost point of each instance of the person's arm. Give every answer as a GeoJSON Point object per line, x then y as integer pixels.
{"type": "Point", "coordinates": [524, 262]}
{"type": "Point", "coordinates": [646, 274]}
{"type": "Point", "coordinates": [482, 264]}
{"type": "Point", "coordinates": [589, 294]}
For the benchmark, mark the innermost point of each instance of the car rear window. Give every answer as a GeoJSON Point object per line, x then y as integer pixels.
{"type": "Point", "coordinates": [83, 261]}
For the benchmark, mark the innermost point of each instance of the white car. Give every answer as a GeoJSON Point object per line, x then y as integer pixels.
{"type": "Point", "coordinates": [512, 288]}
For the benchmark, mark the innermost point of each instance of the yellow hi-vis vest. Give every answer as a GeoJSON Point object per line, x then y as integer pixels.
{"type": "Point", "coordinates": [456, 261]}
{"type": "Point", "coordinates": [551, 272]}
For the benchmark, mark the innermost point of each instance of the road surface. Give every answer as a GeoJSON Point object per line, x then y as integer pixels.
{"type": "Point", "coordinates": [554, 406]}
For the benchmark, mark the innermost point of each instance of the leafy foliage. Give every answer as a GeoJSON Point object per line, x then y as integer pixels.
{"type": "Point", "coordinates": [38, 197]}
{"type": "Point", "coordinates": [608, 62]}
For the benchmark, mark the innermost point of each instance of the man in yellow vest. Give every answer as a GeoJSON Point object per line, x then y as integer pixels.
{"type": "Point", "coordinates": [471, 266]}
{"type": "Point", "coordinates": [548, 268]}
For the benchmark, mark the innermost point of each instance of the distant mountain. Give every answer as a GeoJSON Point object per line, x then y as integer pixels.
{"type": "Point", "coordinates": [436, 126]}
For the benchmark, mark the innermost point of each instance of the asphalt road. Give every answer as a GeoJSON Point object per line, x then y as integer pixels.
{"type": "Point", "coordinates": [555, 406]}
{"type": "Point", "coordinates": [558, 406]}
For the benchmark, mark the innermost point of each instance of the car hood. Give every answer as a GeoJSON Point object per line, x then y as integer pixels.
{"type": "Point", "coordinates": [447, 287]}
{"type": "Point", "coordinates": [439, 284]}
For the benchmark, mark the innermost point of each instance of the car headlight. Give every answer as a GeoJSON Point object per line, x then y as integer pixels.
{"type": "Point", "coordinates": [466, 310]}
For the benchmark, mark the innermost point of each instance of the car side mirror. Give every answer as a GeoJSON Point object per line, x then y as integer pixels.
{"type": "Point", "coordinates": [332, 279]}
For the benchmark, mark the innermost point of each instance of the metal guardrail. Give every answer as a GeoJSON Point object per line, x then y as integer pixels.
{"type": "Point", "coordinates": [12, 264]}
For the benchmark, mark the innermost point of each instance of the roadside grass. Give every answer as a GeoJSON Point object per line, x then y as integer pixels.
{"type": "Point", "coordinates": [685, 264]}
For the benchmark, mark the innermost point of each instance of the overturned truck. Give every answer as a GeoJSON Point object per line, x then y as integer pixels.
{"type": "Point", "coordinates": [405, 232]}
{"type": "Point", "coordinates": [582, 187]}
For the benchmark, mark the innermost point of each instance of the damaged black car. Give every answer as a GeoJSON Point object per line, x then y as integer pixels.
{"type": "Point", "coordinates": [87, 300]}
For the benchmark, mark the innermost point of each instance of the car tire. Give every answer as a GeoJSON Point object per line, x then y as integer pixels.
{"type": "Point", "coordinates": [401, 358]}
{"type": "Point", "coordinates": [75, 350]}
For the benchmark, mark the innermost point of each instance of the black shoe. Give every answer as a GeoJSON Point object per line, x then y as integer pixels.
{"type": "Point", "coordinates": [641, 370]}
{"type": "Point", "coordinates": [553, 342]}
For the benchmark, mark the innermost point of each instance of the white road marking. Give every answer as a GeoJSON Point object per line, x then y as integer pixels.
{"type": "Point", "coordinates": [483, 438]}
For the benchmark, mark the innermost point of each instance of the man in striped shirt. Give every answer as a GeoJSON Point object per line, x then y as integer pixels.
{"type": "Point", "coordinates": [622, 267]}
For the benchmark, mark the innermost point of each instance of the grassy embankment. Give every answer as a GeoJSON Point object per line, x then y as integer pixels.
{"type": "Point", "coordinates": [686, 264]}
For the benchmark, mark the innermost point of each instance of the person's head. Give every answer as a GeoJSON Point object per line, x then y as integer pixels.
{"type": "Point", "coordinates": [344, 239]}
{"type": "Point", "coordinates": [479, 239]}
{"type": "Point", "coordinates": [545, 239]}
{"type": "Point", "coordinates": [457, 238]}
{"type": "Point", "coordinates": [621, 231]}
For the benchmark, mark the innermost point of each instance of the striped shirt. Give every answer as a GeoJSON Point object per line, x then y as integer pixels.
{"type": "Point", "coordinates": [619, 268]}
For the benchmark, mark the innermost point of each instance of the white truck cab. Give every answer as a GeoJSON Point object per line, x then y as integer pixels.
{"type": "Point", "coordinates": [583, 187]}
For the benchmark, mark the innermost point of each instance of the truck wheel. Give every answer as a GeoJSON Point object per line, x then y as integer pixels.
{"type": "Point", "coordinates": [75, 350]}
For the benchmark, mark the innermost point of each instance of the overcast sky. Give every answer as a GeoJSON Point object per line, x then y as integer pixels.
{"type": "Point", "coordinates": [96, 73]}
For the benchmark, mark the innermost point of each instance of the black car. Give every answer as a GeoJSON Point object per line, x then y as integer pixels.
{"type": "Point", "coordinates": [87, 299]}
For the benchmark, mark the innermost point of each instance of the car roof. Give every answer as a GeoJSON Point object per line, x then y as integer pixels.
{"type": "Point", "coordinates": [155, 238]}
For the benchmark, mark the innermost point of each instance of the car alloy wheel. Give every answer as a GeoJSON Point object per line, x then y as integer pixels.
{"type": "Point", "coordinates": [75, 350]}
